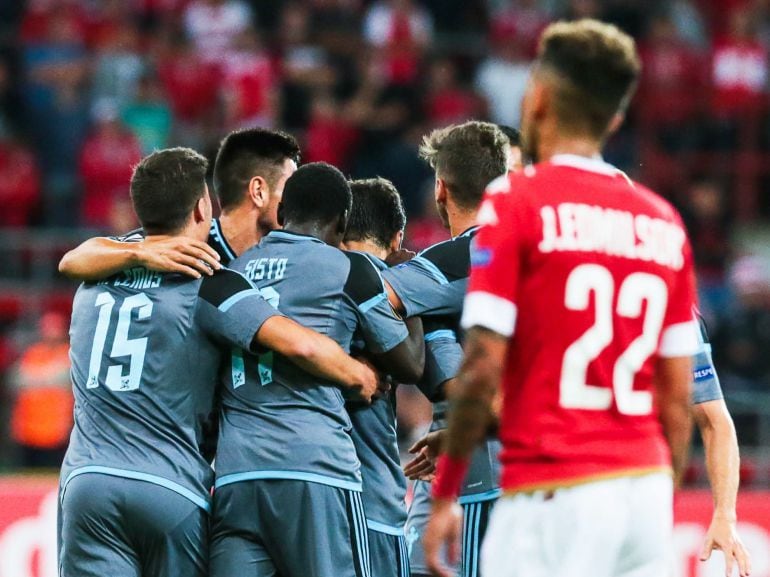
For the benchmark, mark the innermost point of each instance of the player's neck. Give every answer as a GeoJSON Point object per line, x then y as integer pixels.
{"type": "Point", "coordinates": [460, 220]}
{"type": "Point", "coordinates": [325, 232]}
{"type": "Point", "coordinates": [239, 228]}
{"type": "Point", "coordinates": [567, 144]}
{"type": "Point", "coordinates": [368, 247]}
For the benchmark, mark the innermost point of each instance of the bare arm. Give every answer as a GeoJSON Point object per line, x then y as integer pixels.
{"type": "Point", "coordinates": [394, 299]}
{"type": "Point", "coordinates": [100, 257]}
{"type": "Point", "coordinates": [318, 355]}
{"type": "Point", "coordinates": [723, 466]}
{"type": "Point", "coordinates": [673, 380]}
{"type": "Point", "coordinates": [406, 362]}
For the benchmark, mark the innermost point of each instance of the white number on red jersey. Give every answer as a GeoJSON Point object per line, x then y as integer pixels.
{"type": "Point", "coordinates": [636, 289]}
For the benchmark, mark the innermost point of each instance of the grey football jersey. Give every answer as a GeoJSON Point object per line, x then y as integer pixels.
{"type": "Point", "coordinates": [146, 350]}
{"type": "Point", "coordinates": [278, 421]}
{"type": "Point", "coordinates": [374, 436]}
{"type": "Point", "coordinates": [706, 385]}
{"type": "Point", "coordinates": [433, 285]}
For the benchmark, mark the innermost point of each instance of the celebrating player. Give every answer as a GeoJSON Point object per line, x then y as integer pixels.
{"type": "Point", "coordinates": [250, 171]}
{"type": "Point", "coordinates": [466, 158]}
{"type": "Point", "coordinates": [288, 488]}
{"type": "Point", "coordinates": [580, 299]}
{"type": "Point", "coordinates": [146, 348]}
{"type": "Point", "coordinates": [376, 228]}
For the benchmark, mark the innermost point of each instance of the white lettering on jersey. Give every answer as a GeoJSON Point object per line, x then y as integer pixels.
{"type": "Point", "coordinates": [589, 228]}
{"type": "Point", "coordinates": [266, 268]}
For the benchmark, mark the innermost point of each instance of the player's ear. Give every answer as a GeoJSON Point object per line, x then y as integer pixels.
{"type": "Point", "coordinates": [440, 190]}
{"type": "Point", "coordinates": [342, 223]}
{"type": "Point", "coordinates": [615, 124]}
{"type": "Point", "coordinates": [199, 210]}
{"type": "Point", "coordinates": [395, 242]}
{"type": "Point", "coordinates": [280, 214]}
{"type": "Point", "coordinates": [258, 191]}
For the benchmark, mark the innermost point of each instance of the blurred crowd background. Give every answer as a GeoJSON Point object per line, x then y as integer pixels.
{"type": "Point", "coordinates": [89, 86]}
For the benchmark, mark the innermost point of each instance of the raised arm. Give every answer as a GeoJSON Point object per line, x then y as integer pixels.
{"type": "Point", "coordinates": [317, 354]}
{"type": "Point", "coordinates": [723, 466]}
{"type": "Point", "coordinates": [101, 257]}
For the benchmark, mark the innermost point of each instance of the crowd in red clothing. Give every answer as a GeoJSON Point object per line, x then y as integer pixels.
{"type": "Point", "coordinates": [87, 87]}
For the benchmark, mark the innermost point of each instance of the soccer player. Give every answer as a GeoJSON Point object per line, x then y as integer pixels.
{"type": "Point", "coordinates": [722, 460]}
{"type": "Point", "coordinates": [288, 487]}
{"type": "Point", "coordinates": [146, 348]}
{"type": "Point", "coordinates": [250, 171]}
{"type": "Point", "coordinates": [580, 298]}
{"type": "Point", "coordinates": [376, 228]}
{"type": "Point", "coordinates": [466, 159]}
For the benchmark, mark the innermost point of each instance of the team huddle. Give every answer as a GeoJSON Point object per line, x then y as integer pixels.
{"type": "Point", "coordinates": [235, 378]}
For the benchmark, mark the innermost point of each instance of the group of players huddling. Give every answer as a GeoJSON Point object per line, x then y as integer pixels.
{"type": "Point", "coordinates": [223, 428]}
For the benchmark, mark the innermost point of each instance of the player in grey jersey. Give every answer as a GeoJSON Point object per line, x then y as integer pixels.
{"type": "Point", "coordinates": [376, 228]}
{"type": "Point", "coordinates": [250, 171]}
{"type": "Point", "coordinates": [466, 158]}
{"type": "Point", "coordinates": [146, 348]}
{"type": "Point", "coordinates": [288, 489]}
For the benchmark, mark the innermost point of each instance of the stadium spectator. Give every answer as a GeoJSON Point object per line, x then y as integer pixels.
{"type": "Point", "coordinates": [42, 409]}
{"type": "Point", "coordinates": [402, 30]}
{"type": "Point", "coordinates": [671, 85]}
{"type": "Point", "coordinates": [502, 78]}
{"type": "Point", "coordinates": [214, 25]}
{"type": "Point", "coordinates": [106, 162]}
{"type": "Point", "coordinates": [148, 115]}
{"type": "Point", "coordinates": [447, 102]}
{"type": "Point", "coordinates": [331, 136]}
{"type": "Point", "coordinates": [248, 84]}
{"type": "Point", "coordinates": [118, 66]}
{"type": "Point", "coordinates": [521, 21]}
{"type": "Point", "coordinates": [739, 66]}
{"type": "Point", "coordinates": [19, 182]}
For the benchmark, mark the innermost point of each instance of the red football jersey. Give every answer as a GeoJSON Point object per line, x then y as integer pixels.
{"type": "Point", "coordinates": [591, 274]}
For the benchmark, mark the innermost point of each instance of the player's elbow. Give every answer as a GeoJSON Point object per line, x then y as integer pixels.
{"type": "Point", "coordinates": [68, 266]}
{"type": "Point", "coordinates": [305, 348]}
{"type": "Point", "coordinates": [410, 371]}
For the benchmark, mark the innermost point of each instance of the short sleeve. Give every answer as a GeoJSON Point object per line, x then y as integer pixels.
{"type": "Point", "coordinates": [435, 281]}
{"type": "Point", "coordinates": [443, 357]}
{"type": "Point", "coordinates": [706, 386]}
{"type": "Point", "coordinates": [495, 265]}
{"type": "Point", "coordinates": [231, 309]}
{"type": "Point", "coordinates": [378, 324]}
{"type": "Point", "coordinates": [680, 335]}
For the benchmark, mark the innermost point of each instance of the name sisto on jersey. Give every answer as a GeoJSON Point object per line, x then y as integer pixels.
{"type": "Point", "coordinates": [266, 268]}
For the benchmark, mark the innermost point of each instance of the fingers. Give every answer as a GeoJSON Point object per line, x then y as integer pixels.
{"type": "Point", "coordinates": [705, 552]}
{"type": "Point", "coordinates": [419, 445]}
{"type": "Point", "coordinates": [743, 559]}
{"type": "Point", "coordinates": [191, 262]}
{"type": "Point", "coordinates": [419, 467]}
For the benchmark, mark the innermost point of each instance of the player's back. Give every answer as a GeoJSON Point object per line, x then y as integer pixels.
{"type": "Point", "coordinates": [304, 430]}
{"type": "Point", "coordinates": [144, 375]}
{"type": "Point", "coordinates": [602, 287]}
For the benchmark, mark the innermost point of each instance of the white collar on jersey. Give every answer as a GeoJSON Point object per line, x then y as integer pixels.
{"type": "Point", "coordinates": [592, 164]}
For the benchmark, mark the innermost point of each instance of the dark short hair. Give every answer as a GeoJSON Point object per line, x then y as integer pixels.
{"type": "Point", "coordinates": [244, 154]}
{"type": "Point", "coordinates": [467, 157]}
{"type": "Point", "coordinates": [595, 68]}
{"type": "Point", "coordinates": [317, 193]}
{"type": "Point", "coordinates": [377, 213]}
{"type": "Point", "coordinates": [511, 133]}
{"type": "Point", "coordinates": [165, 187]}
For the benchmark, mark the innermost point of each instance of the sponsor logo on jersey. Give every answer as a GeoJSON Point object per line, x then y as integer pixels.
{"type": "Point", "coordinates": [481, 257]}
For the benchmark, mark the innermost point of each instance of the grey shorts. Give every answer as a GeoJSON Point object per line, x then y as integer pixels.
{"type": "Point", "coordinates": [417, 519]}
{"type": "Point", "coordinates": [128, 528]}
{"type": "Point", "coordinates": [286, 528]}
{"type": "Point", "coordinates": [388, 554]}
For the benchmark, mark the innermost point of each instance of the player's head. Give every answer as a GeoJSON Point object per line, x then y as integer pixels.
{"type": "Point", "coordinates": [377, 215]}
{"type": "Point", "coordinates": [515, 156]}
{"type": "Point", "coordinates": [582, 81]}
{"type": "Point", "coordinates": [251, 168]}
{"type": "Point", "coordinates": [466, 158]}
{"type": "Point", "coordinates": [170, 195]}
{"type": "Point", "coordinates": [316, 200]}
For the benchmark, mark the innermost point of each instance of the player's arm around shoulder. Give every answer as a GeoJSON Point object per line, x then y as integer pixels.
{"type": "Point", "coordinates": [395, 346]}
{"type": "Point", "coordinates": [234, 310]}
{"type": "Point", "coordinates": [101, 257]}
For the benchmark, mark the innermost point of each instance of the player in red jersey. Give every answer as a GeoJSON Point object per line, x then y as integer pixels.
{"type": "Point", "coordinates": [580, 302]}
